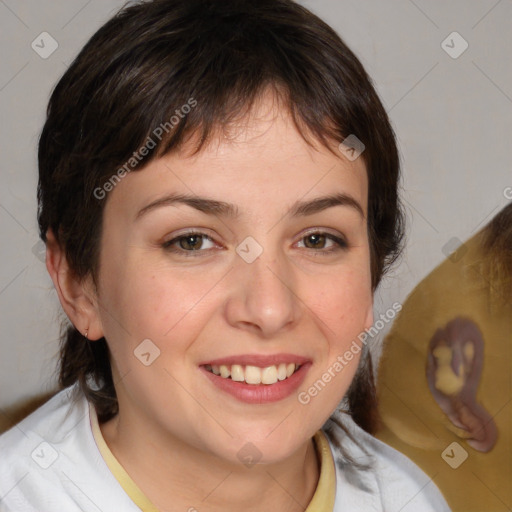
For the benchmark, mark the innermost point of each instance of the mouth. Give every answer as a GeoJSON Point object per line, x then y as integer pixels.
{"type": "Point", "coordinates": [257, 378]}
{"type": "Point", "coordinates": [254, 375]}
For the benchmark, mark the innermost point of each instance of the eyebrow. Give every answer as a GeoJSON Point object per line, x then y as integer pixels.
{"type": "Point", "coordinates": [214, 207]}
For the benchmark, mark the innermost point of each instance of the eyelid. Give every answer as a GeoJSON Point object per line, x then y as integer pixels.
{"type": "Point", "coordinates": [201, 232]}
{"type": "Point", "coordinates": [324, 231]}
{"type": "Point", "coordinates": [187, 231]}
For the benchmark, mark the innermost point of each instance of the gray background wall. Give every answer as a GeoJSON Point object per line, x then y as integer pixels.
{"type": "Point", "coordinates": [453, 118]}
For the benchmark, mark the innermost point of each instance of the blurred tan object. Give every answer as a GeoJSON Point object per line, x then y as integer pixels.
{"type": "Point", "coordinates": [15, 413]}
{"type": "Point", "coordinates": [445, 376]}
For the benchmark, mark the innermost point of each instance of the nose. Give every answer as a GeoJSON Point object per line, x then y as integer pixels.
{"type": "Point", "coordinates": [263, 298]}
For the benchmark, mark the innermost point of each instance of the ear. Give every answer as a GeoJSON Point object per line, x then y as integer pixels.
{"type": "Point", "coordinates": [77, 296]}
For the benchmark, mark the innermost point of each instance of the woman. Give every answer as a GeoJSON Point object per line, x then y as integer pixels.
{"type": "Point", "coordinates": [218, 197]}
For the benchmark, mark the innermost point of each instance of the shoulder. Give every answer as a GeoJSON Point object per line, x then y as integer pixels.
{"type": "Point", "coordinates": [403, 485]}
{"type": "Point", "coordinates": [31, 448]}
{"type": "Point", "coordinates": [377, 475]}
{"type": "Point", "coordinates": [49, 461]}
{"type": "Point", "coordinates": [52, 422]}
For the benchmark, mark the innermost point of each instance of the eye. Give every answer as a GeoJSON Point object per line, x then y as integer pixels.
{"type": "Point", "coordinates": [193, 243]}
{"type": "Point", "coordinates": [190, 243]}
{"type": "Point", "coordinates": [317, 242]}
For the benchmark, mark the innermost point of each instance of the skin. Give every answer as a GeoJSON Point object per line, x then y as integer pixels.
{"type": "Point", "coordinates": [176, 434]}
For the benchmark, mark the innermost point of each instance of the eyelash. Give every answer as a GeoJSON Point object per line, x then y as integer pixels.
{"type": "Point", "coordinates": [341, 244]}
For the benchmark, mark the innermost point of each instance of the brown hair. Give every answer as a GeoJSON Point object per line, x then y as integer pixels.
{"type": "Point", "coordinates": [145, 63]}
{"type": "Point", "coordinates": [497, 245]}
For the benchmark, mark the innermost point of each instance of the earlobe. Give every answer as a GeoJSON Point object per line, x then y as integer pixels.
{"type": "Point", "coordinates": [75, 295]}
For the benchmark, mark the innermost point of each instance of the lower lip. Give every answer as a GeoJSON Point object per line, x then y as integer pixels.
{"type": "Point", "coordinates": [260, 393]}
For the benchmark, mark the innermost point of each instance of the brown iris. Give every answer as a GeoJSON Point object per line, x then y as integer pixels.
{"type": "Point", "coordinates": [317, 239]}
{"type": "Point", "coordinates": [191, 242]}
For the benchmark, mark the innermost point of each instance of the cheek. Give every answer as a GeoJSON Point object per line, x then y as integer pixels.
{"type": "Point", "coordinates": [149, 301]}
{"type": "Point", "coordinates": [342, 310]}
{"type": "Point", "coordinates": [342, 302]}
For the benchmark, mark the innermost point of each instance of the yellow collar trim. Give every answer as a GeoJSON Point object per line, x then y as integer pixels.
{"type": "Point", "coordinates": [322, 501]}
{"type": "Point", "coordinates": [120, 474]}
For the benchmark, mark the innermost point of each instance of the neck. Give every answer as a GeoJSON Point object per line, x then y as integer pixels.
{"type": "Point", "coordinates": [175, 475]}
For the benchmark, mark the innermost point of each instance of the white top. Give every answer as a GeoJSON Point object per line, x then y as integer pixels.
{"type": "Point", "coordinates": [50, 462]}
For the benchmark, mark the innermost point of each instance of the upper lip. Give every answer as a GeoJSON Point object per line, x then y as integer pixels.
{"type": "Point", "coordinates": [257, 360]}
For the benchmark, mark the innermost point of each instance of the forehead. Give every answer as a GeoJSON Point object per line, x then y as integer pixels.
{"type": "Point", "coordinates": [262, 156]}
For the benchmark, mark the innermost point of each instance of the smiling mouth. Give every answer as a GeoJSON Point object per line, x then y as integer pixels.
{"type": "Point", "coordinates": [254, 374]}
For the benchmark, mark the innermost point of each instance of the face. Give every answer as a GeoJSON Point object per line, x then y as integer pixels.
{"type": "Point", "coordinates": [251, 273]}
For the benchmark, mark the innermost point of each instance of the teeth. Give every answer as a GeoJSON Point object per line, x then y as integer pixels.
{"type": "Point", "coordinates": [269, 375]}
{"type": "Point", "coordinates": [237, 373]}
{"type": "Point", "coordinates": [253, 374]}
{"type": "Point", "coordinates": [281, 371]}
